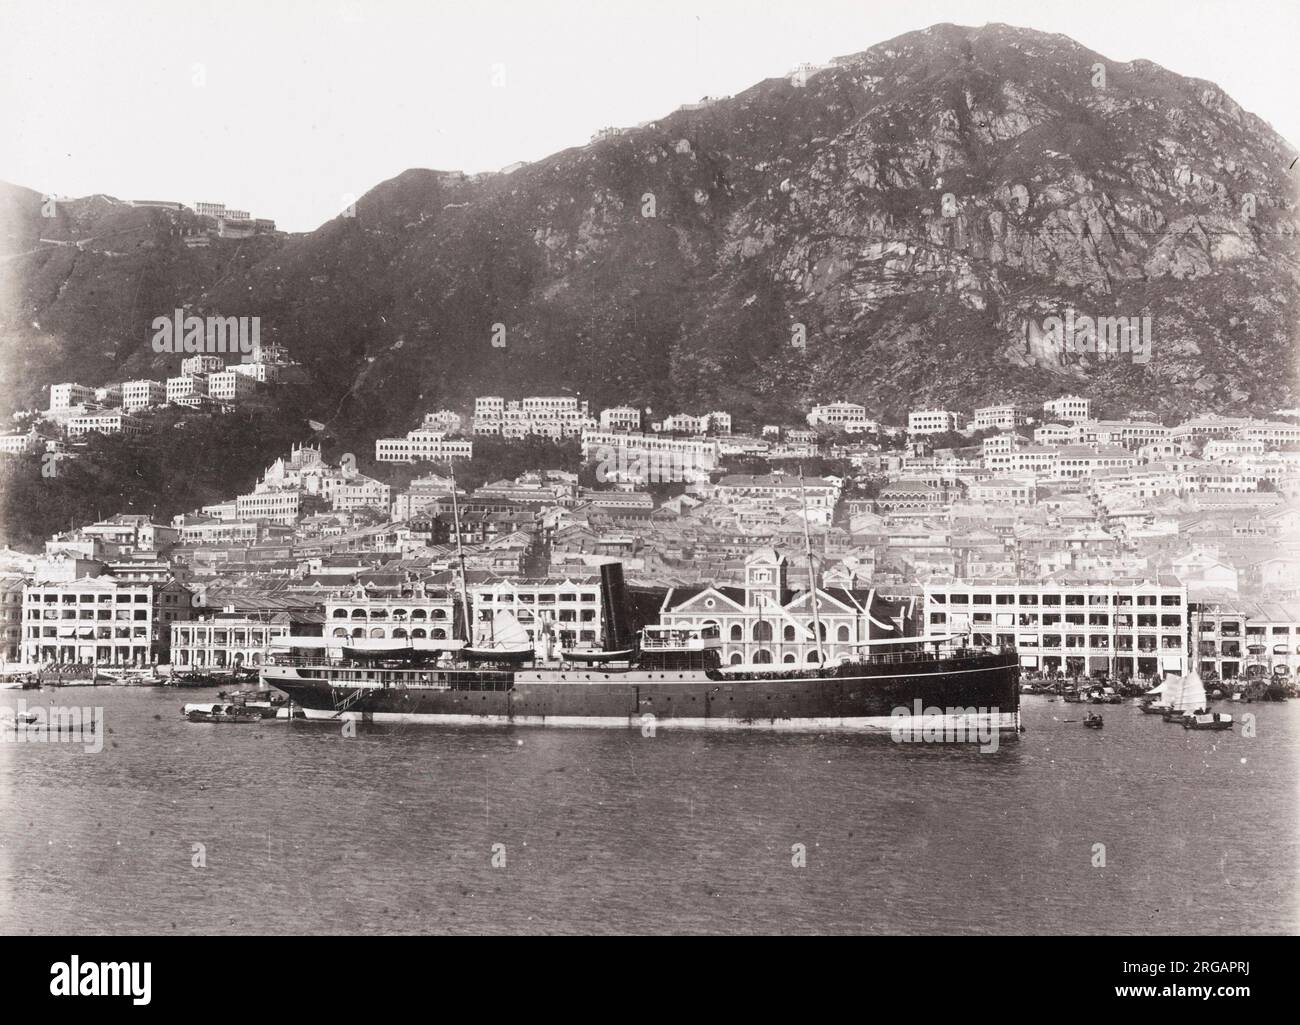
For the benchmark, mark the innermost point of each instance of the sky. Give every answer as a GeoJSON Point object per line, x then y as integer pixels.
{"type": "Point", "coordinates": [291, 109]}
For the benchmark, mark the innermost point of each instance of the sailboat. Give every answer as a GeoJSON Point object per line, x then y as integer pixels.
{"type": "Point", "coordinates": [503, 639]}
{"type": "Point", "coordinates": [1156, 700]}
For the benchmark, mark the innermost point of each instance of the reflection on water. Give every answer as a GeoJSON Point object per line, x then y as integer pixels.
{"type": "Point", "coordinates": [394, 830]}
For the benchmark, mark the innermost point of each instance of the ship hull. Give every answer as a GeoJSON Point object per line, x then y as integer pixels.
{"type": "Point", "coordinates": [975, 693]}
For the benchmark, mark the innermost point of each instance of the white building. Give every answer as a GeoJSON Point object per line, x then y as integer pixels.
{"type": "Point", "coordinates": [837, 414]}
{"type": "Point", "coordinates": [186, 386]}
{"type": "Point", "coordinates": [65, 396]}
{"type": "Point", "coordinates": [433, 446]}
{"type": "Point", "coordinates": [411, 612]}
{"type": "Point", "coordinates": [1123, 627]}
{"type": "Point", "coordinates": [142, 394]}
{"type": "Point", "coordinates": [229, 386]}
{"type": "Point", "coordinates": [278, 506]}
{"type": "Point", "coordinates": [1071, 408]}
{"type": "Point", "coordinates": [101, 620]}
{"type": "Point", "coordinates": [1002, 418]}
{"type": "Point", "coordinates": [226, 640]}
{"type": "Point", "coordinates": [108, 422]}
{"type": "Point", "coordinates": [631, 457]}
{"type": "Point", "coordinates": [934, 421]}
{"type": "Point", "coordinates": [570, 608]}
{"type": "Point", "coordinates": [620, 418]}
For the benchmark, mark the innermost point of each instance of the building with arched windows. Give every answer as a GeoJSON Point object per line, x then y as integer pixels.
{"type": "Point", "coordinates": [409, 611]}
{"type": "Point", "coordinates": [765, 621]}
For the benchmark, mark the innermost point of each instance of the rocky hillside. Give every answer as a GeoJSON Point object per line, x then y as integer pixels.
{"type": "Point", "coordinates": [895, 229]}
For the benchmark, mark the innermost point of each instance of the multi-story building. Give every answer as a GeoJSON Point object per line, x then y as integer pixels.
{"type": "Point", "coordinates": [22, 444]}
{"type": "Point", "coordinates": [362, 493]}
{"type": "Point", "coordinates": [11, 617]}
{"type": "Point", "coordinates": [185, 386]}
{"type": "Point", "coordinates": [226, 640]}
{"type": "Point", "coordinates": [633, 457]}
{"type": "Point", "coordinates": [433, 446]}
{"type": "Point", "coordinates": [446, 420]}
{"type": "Point", "coordinates": [1076, 461]}
{"type": "Point", "coordinates": [489, 407]}
{"type": "Point", "coordinates": [837, 414]}
{"type": "Point", "coordinates": [109, 395]}
{"type": "Point", "coordinates": [230, 386]}
{"type": "Point", "coordinates": [570, 609]}
{"type": "Point", "coordinates": [1271, 433]}
{"type": "Point", "coordinates": [766, 622]}
{"type": "Point", "coordinates": [552, 407]}
{"type": "Point", "coordinates": [279, 505]}
{"type": "Point", "coordinates": [1004, 417]}
{"type": "Point", "coordinates": [1003, 491]}
{"type": "Point", "coordinates": [202, 364]}
{"type": "Point", "coordinates": [101, 620]}
{"type": "Point", "coordinates": [65, 396]}
{"type": "Point", "coordinates": [620, 418]}
{"type": "Point", "coordinates": [142, 394]}
{"type": "Point", "coordinates": [409, 611]}
{"type": "Point", "coordinates": [816, 495]}
{"type": "Point", "coordinates": [107, 422]}
{"type": "Point", "coordinates": [1070, 408]}
{"type": "Point", "coordinates": [1242, 638]}
{"type": "Point", "coordinates": [1127, 627]}
{"type": "Point", "coordinates": [934, 421]}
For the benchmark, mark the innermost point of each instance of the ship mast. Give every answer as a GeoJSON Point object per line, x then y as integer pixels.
{"type": "Point", "coordinates": [460, 557]}
{"type": "Point", "coordinates": [812, 576]}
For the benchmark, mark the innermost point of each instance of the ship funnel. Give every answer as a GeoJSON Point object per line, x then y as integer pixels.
{"type": "Point", "coordinates": [613, 607]}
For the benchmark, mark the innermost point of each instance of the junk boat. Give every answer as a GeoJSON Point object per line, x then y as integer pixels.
{"type": "Point", "coordinates": [1207, 721]}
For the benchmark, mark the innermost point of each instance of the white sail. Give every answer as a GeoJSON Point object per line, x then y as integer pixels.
{"type": "Point", "coordinates": [1191, 693]}
{"type": "Point", "coordinates": [503, 631]}
{"type": "Point", "coordinates": [1157, 691]}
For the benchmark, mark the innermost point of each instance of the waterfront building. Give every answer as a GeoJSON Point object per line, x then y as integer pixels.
{"type": "Point", "coordinates": [570, 608]}
{"type": "Point", "coordinates": [1125, 627]}
{"type": "Point", "coordinates": [101, 620]}
{"type": "Point", "coordinates": [765, 621]}
{"type": "Point", "coordinates": [226, 640]}
{"type": "Point", "coordinates": [407, 611]}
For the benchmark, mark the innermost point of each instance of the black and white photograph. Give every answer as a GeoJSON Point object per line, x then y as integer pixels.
{"type": "Point", "coordinates": [695, 469]}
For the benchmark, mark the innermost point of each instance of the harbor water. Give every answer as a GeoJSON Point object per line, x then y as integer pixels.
{"type": "Point", "coordinates": [291, 827]}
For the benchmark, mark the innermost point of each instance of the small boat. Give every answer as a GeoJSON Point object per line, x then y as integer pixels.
{"type": "Point", "coordinates": [625, 655]}
{"type": "Point", "coordinates": [1093, 721]}
{"type": "Point", "coordinates": [1203, 720]}
{"type": "Point", "coordinates": [1153, 708]}
{"type": "Point", "coordinates": [1072, 697]}
{"type": "Point", "coordinates": [127, 677]}
{"type": "Point", "coordinates": [23, 718]}
{"type": "Point", "coordinates": [220, 713]}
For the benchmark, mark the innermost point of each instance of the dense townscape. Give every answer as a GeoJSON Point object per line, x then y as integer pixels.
{"type": "Point", "coordinates": [993, 523]}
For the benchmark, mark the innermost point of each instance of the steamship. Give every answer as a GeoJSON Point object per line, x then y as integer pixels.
{"type": "Point", "coordinates": [671, 675]}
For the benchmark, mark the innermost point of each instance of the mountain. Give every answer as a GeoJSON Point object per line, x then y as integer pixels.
{"type": "Point", "coordinates": [919, 208]}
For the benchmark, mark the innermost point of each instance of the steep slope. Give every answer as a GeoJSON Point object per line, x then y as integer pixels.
{"type": "Point", "coordinates": [919, 208]}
